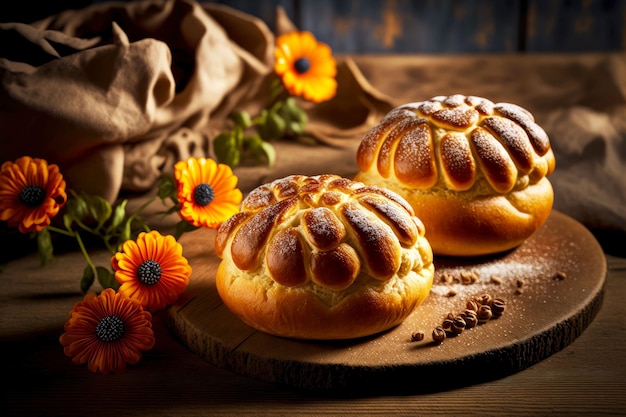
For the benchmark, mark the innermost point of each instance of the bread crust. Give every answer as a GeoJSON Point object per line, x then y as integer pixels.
{"type": "Point", "coordinates": [469, 225]}
{"type": "Point", "coordinates": [475, 172]}
{"type": "Point", "coordinates": [299, 312]}
{"type": "Point", "coordinates": [323, 257]}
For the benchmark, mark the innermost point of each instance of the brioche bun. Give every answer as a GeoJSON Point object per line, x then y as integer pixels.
{"type": "Point", "coordinates": [323, 257]}
{"type": "Point", "coordinates": [475, 172]}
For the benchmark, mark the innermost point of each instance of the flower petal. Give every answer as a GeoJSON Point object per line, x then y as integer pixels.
{"type": "Point", "coordinates": [81, 342]}
{"type": "Point", "coordinates": [318, 83]}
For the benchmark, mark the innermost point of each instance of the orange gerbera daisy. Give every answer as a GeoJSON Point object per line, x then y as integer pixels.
{"type": "Point", "coordinates": [206, 192]}
{"type": "Point", "coordinates": [107, 331]}
{"type": "Point", "coordinates": [31, 193]}
{"type": "Point", "coordinates": [306, 66]}
{"type": "Point", "coordinates": [152, 270]}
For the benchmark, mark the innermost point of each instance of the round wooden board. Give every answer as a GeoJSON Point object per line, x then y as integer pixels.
{"type": "Point", "coordinates": [541, 318]}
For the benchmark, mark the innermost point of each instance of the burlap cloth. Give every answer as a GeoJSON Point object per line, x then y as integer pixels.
{"type": "Point", "coordinates": [116, 93]}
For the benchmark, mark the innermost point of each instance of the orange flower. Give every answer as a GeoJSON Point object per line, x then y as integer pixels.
{"type": "Point", "coordinates": [31, 193]}
{"type": "Point", "coordinates": [206, 192]}
{"type": "Point", "coordinates": [306, 66]}
{"type": "Point", "coordinates": [152, 270]}
{"type": "Point", "coordinates": [107, 332]}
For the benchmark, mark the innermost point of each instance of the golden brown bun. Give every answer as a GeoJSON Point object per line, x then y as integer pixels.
{"type": "Point", "coordinates": [475, 172]}
{"type": "Point", "coordinates": [323, 257]}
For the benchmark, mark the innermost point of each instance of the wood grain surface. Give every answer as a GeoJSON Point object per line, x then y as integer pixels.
{"type": "Point", "coordinates": [544, 314]}
{"type": "Point", "coordinates": [585, 378]}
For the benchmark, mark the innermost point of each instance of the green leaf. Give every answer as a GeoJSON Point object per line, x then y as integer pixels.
{"type": "Point", "coordinates": [100, 209]}
{"type": "Point", "coordinates": [261, 149]}
{"type": "Point", "coordinates": [77, 207]}
{"type": "Point", "coordinates": [296, 128]}
{"type": "Point", "coordinates": [291, 107]}
{"type": "Point", "coordinates": [67, 221]}
{"type": "Point", "coordinates": [226, 149]}
{"type": "Point", "coordinates": [233, 158]}
{"type": "Point", "coordinates": [118, 215]}
{"type": "Point", "coordinates": [106, 278]}
{"type": "Point", "coordinates": [167, 188]}
{"type": "Point", "coordinates": [276, 126]}
{"type": "Point", "coordinates": [295, 117]}
{"type": "Point", "coordinates": [303, 118]}
{"type": "Point", "coordinates": [276, 88]}
{"type": "Point", "coordinates": [44, 244]}
{"type": "Point", "coordinates": [270, 153]}
{"type": "Point", "coordinates": [125, 231]}
{"type": "Point", "coordinates": [242, 119]}
{"type": "Point", "coordinates": [261, 125]}
{"type": "Point", "coordinates": [183, 227]}
{"type": "Point", "coordinates": [87, 280]}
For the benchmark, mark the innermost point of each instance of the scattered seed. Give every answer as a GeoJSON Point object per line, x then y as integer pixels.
{"type": "Point", "coordinates": [458, 325]}
{"type": "Point", "coordinates": [497, 307]}
{"type": "Point", "coordinates": [417, 336]}
{"type": "Point", "coordinates": [495, 280]}
{"type": "Point", "coordinates": [439, 335]}
{"type": "Point", "coordinates": [484, 314]}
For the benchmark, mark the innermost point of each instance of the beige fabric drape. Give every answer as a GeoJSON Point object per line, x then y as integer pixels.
{"type": "Point", "coordinates": [117, 92]}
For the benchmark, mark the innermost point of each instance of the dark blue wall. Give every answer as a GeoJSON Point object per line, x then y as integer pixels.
{"type": "Point", "coordinates": [426, 26]}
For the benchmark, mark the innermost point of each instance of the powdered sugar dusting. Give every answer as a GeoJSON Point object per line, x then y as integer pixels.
{"type": "Point", "coordinates": [460, 117]}
{"type": "Point", "coordinates": [414, 158]}
{"type": "Point", "coordinates": [515, 140]}
{"type": "Point", "coordinates": [457, 161]}
{"type": "Point", "coordinates": [507, 276]}
{"type": "Point", "coordinates": [494, 160]}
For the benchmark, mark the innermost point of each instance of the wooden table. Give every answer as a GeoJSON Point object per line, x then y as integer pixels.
{"type": "Point", "coordinates": [588, 377]}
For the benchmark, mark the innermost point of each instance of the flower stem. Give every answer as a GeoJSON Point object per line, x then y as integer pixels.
{"type": "Point", "coordinates": [61, 231]}
{"type": "Point", "coordinates": [84, 251]}
{"type": "Point", "coordinates": [143, 206]}
{"type": "Point", "coordinates": [81, 245]}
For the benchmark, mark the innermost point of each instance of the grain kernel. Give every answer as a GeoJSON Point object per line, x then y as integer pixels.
{"type": "Point", "coordinates": [485, 299]}
{"type": "Point", "coordinates": [471, 319]}
{"type": "Point", "coordinates": [497, 307]}
{"type": "Point", "coordinates": [447, 325]}
{"type": "Point", "coordinates": [417, 336]}
{"type": "Point", "coordinates": [439, 335]}
{"type": "Point", "coordinates": [472, 305]}
{"type": "Point", "coordinates": [458, 324]}
{"type": "Point", "coordinates": [484, 314]}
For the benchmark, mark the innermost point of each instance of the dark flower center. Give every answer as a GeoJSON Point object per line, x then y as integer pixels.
{"type": "Point", "coordinates": [302, 65]}
{"type": "Point", "coordinates": [203, 194]}
{"type": "Point", "coordinates": [149, 272]}
{"type": "Point", "coordinates": [32, 195]}
{"type": "Point", "coordinates": [110, 329]}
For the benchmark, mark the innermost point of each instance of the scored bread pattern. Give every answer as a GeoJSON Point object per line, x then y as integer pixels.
{"type": "Point", "coordinates": [456, 140]}
{"type": "Point", "coordinates": [324, 228]}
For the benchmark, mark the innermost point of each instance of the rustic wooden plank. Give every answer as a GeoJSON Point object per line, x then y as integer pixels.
{"type": "Point", "coordinates": [576, 26]}
{"type": "Point", "coordinates": [543, 316]}
{"type": "Point", "coordinates": [586, 378]}
{"type": "Point", "coordinates": [426, 26]}
{"type": "Point", "coordinates": [263, 9]}
{"type": "Point", "coordinates": [404, 26]}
